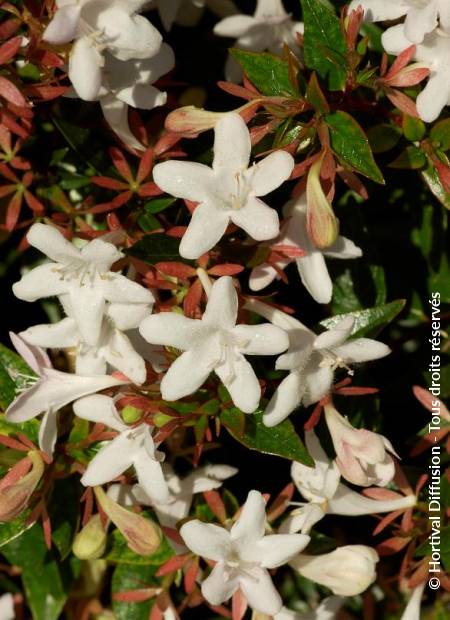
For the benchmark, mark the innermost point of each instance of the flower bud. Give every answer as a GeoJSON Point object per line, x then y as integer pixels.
{"type": "Point", "coordinates": [18, 485]}
{"type": "Point", "coordinates": [347, 571]}
{"type": "Point", "coordinates": [142, 535]}
{"type": "Point", "coordinates": [90, 543]}
{"type": "Point", "coordinates": [321, 222]}
{"type": "Point", "coordinates": [362, 456]}
{"type": "Point", "coordinates": [191, 120]}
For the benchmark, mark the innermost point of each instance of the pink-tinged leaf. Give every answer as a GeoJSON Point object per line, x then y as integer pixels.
{"type": "Point", "coordinates": [238, 91]}
{"type": "Point", "coordinates": [385, 521]}
{"type": "Point", "coordinates": [9, 27]}
{"type": "Point", "coordinates": [46, 93]}
{"type": "Point", "coordinates": [381, 494]}
{"type": "Point", "coordinates": [419, 575]}
{"type": "Point", "coordinates": [13, 211]}
{"type": "Point", "coordinates": [5, 190]}
{"type": "Point", "coordinates": [402, 102]}
{"type": "Point", "coordinates": [135, 596]}
{"type": "Point", "coordinates": [176, 270]}
{"type": "Point", "coordinates": [8, 173]}
{"type": "Point", "coordinates": [225, 269]}
{"type": "Point", "coordinates": [425, 397]}
{"type": "Point", "coordinates": [190, 575]}
{"type": "Point", "coordinates": [216, 505]}
{"type": "Point", "coordinates": [291, 251]}
{"type": "Point", "coordinates": [109, 183]}
{"type": "Point", "coordinates": [392, 545]}
{"type": "Point", "coordinates": [444, 174]}
{"type": "Point", "coordinates": [9, 49]}
{"type": "Point", "coordinates": [410, 76]}
{"type": "Point", "coordinates": [173, 564]}
{"type": "Point", "coordinates": [401, 61]}
{"type": "Point", "coordinates": [354, 183]}
{"type": "Point", "coordinates": [145, 165]}
{"type": "Point", "coordinates": [11, 93]}
{"type": "Point", "coordinates": [281, 502]}
{"type": "Point", "coordinates": [191, 302]}
{"type": "Point", "coordinates": [35, 205]}
{"type": "Point", "coordinates": [149, 189]}
{"type": "Point", "coordinates": [121, 163]}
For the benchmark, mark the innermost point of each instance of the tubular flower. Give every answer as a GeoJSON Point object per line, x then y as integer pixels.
{"type": "Point", "coordinates": [17, 486]}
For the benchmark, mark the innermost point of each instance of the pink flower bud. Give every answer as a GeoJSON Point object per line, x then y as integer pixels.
{"type": "Point", "coordinates": [19, 484]}
{"type": "Point", "coordinates": [190, 121]}
{"type": "Point", "coordinates": [321, 222]}
{"type": "Point", "coordinates": [142, 535]}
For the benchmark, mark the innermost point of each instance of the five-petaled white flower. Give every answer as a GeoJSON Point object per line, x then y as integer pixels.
{"type": "Point", "coordinates": [243, 556]}
{"type": "Point", "coordinates": [312, 360]}
{"type": "Point", "coordinates": [82, 275]}
{"type": "Point", "coordinates": [268, 29]}
{"type": "Point", "coordinates": [347, 570]}
{"type": "Point", "coordinates": [228, 191]}
{"type": "Point", "coordinates": [133, 447]}
{"type": "Point", "coordinates": [49, 392]}
{"type": "Point", "coordinates": [321, 485]}
{"type": "Point", "coordinates": [312, 266]}
{"type": "Point", "coordinates": [363, 457]}
{"type": "Point", "coordinates": [427, 25]}
{"type": "Point", "coordinates": [214, 343]}
{"type": "Point", "coordinates": [98, 26]}
{"type": "Point", "coordinates": [327, 610]}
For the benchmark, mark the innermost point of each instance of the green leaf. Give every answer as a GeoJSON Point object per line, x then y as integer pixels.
{"type": "Point", "coordinates": [431, 177]}
{"type": "Point", "coordinates": [350, 144]}
{"type": "Point", "coordinates": [14, 529]}
{"type": "Point", "coordinates": [383, 137]}
{"type": "Point", "coordinates": [46, 580]}
{"type": "Point", "coordinates": [440, 133]}
{"type": "Point", "coordinates": [324, 43]}
{"type": "Point", "coordinates": [412, 158]}
{"type": "Point", "coordinates": [281, 440]}
{"type": "Point", "coordinates": [126, 578]}
{"type": "Point", "coordinates": [413, 128]}
{"type": "Point", "coordinates": [120, 553]}
{"type": "Point", "coordinates": [158, 204]}
{"type": "Point", "coordinates": [269, 73]}
{"type": "Point", "coordinates": [156, 248]}
{"type": "Point", "coordinates": [370, 321]}
{"type": "Point", "coordinates": [64, 513]}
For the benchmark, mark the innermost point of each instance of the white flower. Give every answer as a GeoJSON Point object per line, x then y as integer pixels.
{"type": "Point", "coordinates": [327, 610]}
{"type": "Point", "coordinates": [363, 457]}
{"type": "Point", "coordinates": [311, 267]}
{"type": "Point", "coordinates": [133, 447]}
{"type": "Point", "coordinates": [326, 494]}
{"type": "Point", "coordinates": [130, 83]}
{"type": "Point", "coordinates": [7, 607]}
{"type": "Point", "coordinates": [268, 29]}
{"type": "Point", "coordinates": [97, 26]}
{"type": "Point", "coordinates": [427, 25]}
{"type": "Point", "coordinates": [228, 191]}
{"type": "Point", "coordinates": [49, 392]}
{"type": "Point", "coordinates": [113, 347]}
{"type": "Point", "coordinates": [82, 275]}
{"type": "Point", "coordinates": [347, 571]}
{"type": "Point", "coordinates": [214, 343]}
{"type": "Point", "coordinates": [312, 360]}
{"type": "Point", "coordinates": [243, 556]}
{"type": "Point", "coordinates": [412, 609]}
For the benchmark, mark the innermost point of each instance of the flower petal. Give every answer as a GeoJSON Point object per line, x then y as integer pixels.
{"type": "Point", "coordinates": [48, 240]}
{"type": "Point", "coordinates": [120, 354]}
{"type": "Point", "coordinates": [232, 146]}
{"type": "Point", "coordinates": [142, 96]}
{"type": "Point", "coordinates": [263, 275]}
{"type": "Point", "coordinates": [42, 281]}
{"type": "Point", "coordinates": [87, 304]}
{"type": "Point", "coordinates": [336, 335]}
{"type": "Point", "coordinates": [91, 362]}
{"type": "Point", "coordinates": [119, 289]}
{"type": "Point", "coordinates": [99, 409]}
{"type": "Point", "coordinates": [251, 523]}
{"type": "Point", "coordinates": [116, 115]}
{"type": "Point", "coordinates": [349, 503]}
{"type": "Point", "coordinates": [48, 433]}
{"type": "Point", "coordinates": [187, 373]}
{"type": "Point", "coordinates": [434, 97]}
{"type": "Point", "coordinates": [174, 330]}
{"type": "Point", "coordinates": [222, 307]}
{"type": "Point", "coordinates": [151, 478]}
{"type": "Point", "coordinates": [262, 339]}
{"type": "Point", "coordinates": [206, 479]}
{"type": "Point", "coordinates": [260, 592]}
{"type": "Point", "coordinates": [420, 21]}
{"type": "Point", "coordinates": [128, 316]}
{"type": "Point", "coordinates": [271, 172]}
{"type": "Point", "coordinates": [206, 539]}
{"type": "Point", "coordinates": [257, 219]}
{"type": "Point", "coordinates": [315, 277]}
{"type": "Point", "coordinates": [85, 69]}
{"type": "Point", "coordinates": [380, 10]}
{"type": "Point", "coordinates": [56, 336]}
{"type": "Point", "coordinates": [206, 228]}
{"type": "Point", "coordinates": [111, 461]}
{"type": "Point", "coordinates": [235, 26]}
{"type": "Point", "coordinates": [285, 400]}
{"type": "Point", "coordinates": [318, 384]}
{"type": "Point", "coordinates": [343, 248]}
{"type": "Point", "coordinates": [184, 179]}
{"type": "Point", "coordinates": [63, 27]}
{"type": "Point", "coordinates": [242, 383]}
{"type": "Point", "coordinates": [277, 549]}
{"type": "Point", "coordinates": [218, 587]}
{"type": "Point", "coordinates": [362, 350]}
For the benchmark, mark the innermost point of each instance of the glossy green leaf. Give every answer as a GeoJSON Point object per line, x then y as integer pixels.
{"type": "Point", "coordinates": [156, 248]}
{"type": "Point", "coordinates": [431, 178]}
{"type": "Point", "coordinates": [324, 43]}
{"type": "Point", "coordinates": [14, 529]}
{"type": "Point", "coordinates": [281, 440]}
{"type": "Point", "coordinates": [127, 578]}
{"type": "Point", "coordinates": [269, 73]}
{"type": "Point", "coordinates": [412, 158]}
{"type": "Point", "coordinates": [351, 145]}
{"type": "Point", "coordinates": [119, 552]}
{"type": "Point", "coordinates": [383, 137]}
{"type": "Point", "coordinates": [413, 128]}
{"type": "Point", "coordinates": [371, 321]}
{"type": "Point", "coordinates": [440, 133]}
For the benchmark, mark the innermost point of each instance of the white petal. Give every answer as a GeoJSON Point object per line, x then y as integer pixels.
{"type": "Point", "coordinates": [413, 610]}
{"type": "Point", "coordinates": [99, 409]}
{"type": "Point", "coordinates": [262, 339]}
{"type": "Point", "coordinates": [128, 316]}
{"type": "Point", "coordinates": [35, 357]}
{"type": "Point", "coordinates": [91, 362]}
{"type": "Point", "coordinates": [251, 522]}
{"type": "Point", "coordinates": [362, 350]}
{"type": "Point", "coordinates": [116, 115]}
{"type": "Point", "coordinates": [257, 219]}
{"type": "Point", "coordinates": [318, 384]}
{"type": "Point", "coordinates": [349, 503]}
{"type": "Point", "coordinates": [234, 26]}
{"type": "Point", "coordinates": [380, 10]}
{"type": "Point", "coordinates": [119, 289]}
{"type": "Point", "coordinates": [419, 21]}
{"type": "Point", "coordinates": [394, 40]}
{"type": "Point", "coordinates": [262, 276]}
{"type": "Point", "coordinates": [174, 330]}
{"type": "Point", "coordinates": [48, 433]}
{"type": "Point", "coordinates": [42, 281]}
{"type": "Point", "coordinates": [206, 478]}
{"type": "Point", "coordinates": [151, 478]}
{"type": "Point", "coordinates": [302, 519]}
{"type": "Point", "coordinates": [260, 592]}
{"type": "Point", "coordinates": [85, 69]}
{"type": "Point", "coordinates": [343, 248]}
{"type": "Point", "coordinates": [7, 607]}
{"type": "Point", "coordinates": [271, 172]}
{"type": "Point", "coordinates": [434, 97]}
{"type": "Point", "coordinates": [287, 398]}
{"type": "Point", "coordinates": [187, 374]}
{"type": "Point", "coordinates": [335, 336]}
{"type": "Point", "coordinates": [63, 27]}
{"type": "Point", "coordinates": [277, 549]}
{"type": "Point", "coordinates": [142, 96]}
{"type": "Point", "coordinates": [56, 336]}
{"type": "Point", "coordinates": [222, 307]}
{"type": "Point", "coordinates": [218, 587]}
{"type": "Point", "coordinates": [206, 228]}
{"type": "Point", "coordinates": [87, 304]}
{"type": "Point", "coordinates": [111, 461]}
{"type": "Point", "coordinates": [315, 277]}
{"type": "Point", "coordinates": [121, 355]}
{"type": "Point", "coordinates": [206, 539]}
{"type": "Point", "coordinates": [232, 146]}
{"type": "Point", "coordinates": [242, 383]}
{"type": "Point", "coordinates": [184, 179]}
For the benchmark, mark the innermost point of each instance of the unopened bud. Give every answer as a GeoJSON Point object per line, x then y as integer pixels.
{"type": "Point", "coordinates": [130, 414]}
{"type": "Point", "coordinates": [142, 535]}
{"type": "Point", "coordinates": [192, 120]}
{"type": "Point", "coordinates": [18, 485]}
{"type": "Point", "coordinates": [90, 543]}
{"type": "Point", "coordinates": [322, 224]}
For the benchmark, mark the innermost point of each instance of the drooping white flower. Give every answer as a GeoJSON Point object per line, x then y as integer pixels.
{"type": "Point", "coordinates": [268, 29]}
{"type": "Point", "coordinates": [7, 611]}
{"type": "Point", "coordinates": [49, 392]}
{"type": "Point", "coordinates": [321, 487]}
{"type": "Point", "coordinates": [82, 275]}
{"type": "Point", "coordinates": [98, 26]}
{"type": "Point", "coordinates": [412, 609]}
{"type": "Point", "coordinates": [327, 610]}
{"type": "Point", "coordinates": [243, 556]}
{"type": "Point", "coordinates": [427, 25]}
{"type": "Point", "coordinates": [133, 447]}
{"type": "Point", "coordinates": [188, 12]}
{"type": "Point", "coordinates": [229, 191]}
{"type": "Point", "coordinates": [311, 267]}
{"type": "Point", "coordinates": [312, 360]}
{"type": "Point", "coordinates": [214, 343]}
{"type": "Point", "coordinates": [112, 349]}
{"type": "Point", "coordinates": [363, 457]}
{"type": "Point", "coordinates": [347, 571]}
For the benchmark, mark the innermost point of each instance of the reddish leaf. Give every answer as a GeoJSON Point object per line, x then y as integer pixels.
{"type": "Point", "coordinates": [145, 165]}
{"type": "Point", "coordinates": [225, 269]}
{"type": "Point", "coordinates": [9, 49]}
{"type": "Point", "coordinates": [216, 505]}
{"type": "Point", "coordinates": [401, 61]}
{"type": "Point", "coordinates": [402, 102]}
{"type": "Point", "coordinates": [392, 545]}
{"type": "Point", "coordinates": [13, 211]}
{"type": "Point", "coordinates": [176, 270]}
{"type": "Point", "coordinates": [121, 163]}
{"type": "Point", "coordinates": [173, 564]}
{"type": "Point", "coordinates": [109, 183]}
{"type": "Point", "coordinates": [11, 93]}
{"type": "Point", "coordinates": [190, 575]}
